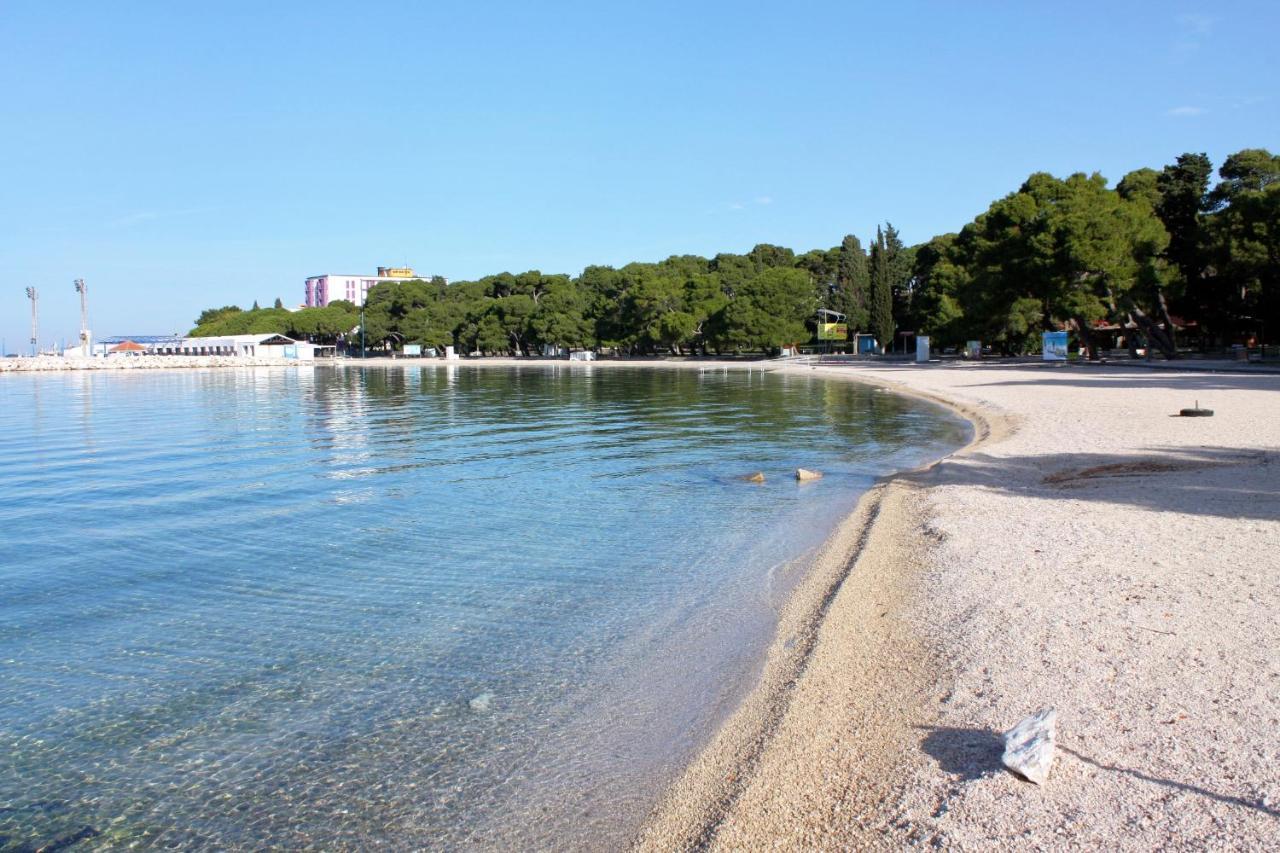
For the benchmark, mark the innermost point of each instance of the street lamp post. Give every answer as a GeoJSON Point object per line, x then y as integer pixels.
{"type": "Point", "coordinates": [34, 296]}
{"type": "Point", "coordinates": [83, 290]}
{"type": "Point", "coordinates": [362, 330]}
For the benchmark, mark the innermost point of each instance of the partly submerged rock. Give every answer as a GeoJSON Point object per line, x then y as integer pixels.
{"type": "Point", "coordinates": [63, 842]}
{"type": "Point", "coordinates": [1028, 746]}
{"type": "Point", "coordinates": [481, 703]}
{"type": "Point", "coordinates": [803, 474]}
{"type": "Point", "coordinates": [757, 477]}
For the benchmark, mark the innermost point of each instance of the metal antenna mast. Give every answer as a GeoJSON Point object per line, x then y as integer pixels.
{"type": "Point", "coordinates": [34, 296]}
{"type": "Point", "coordinates": [84, 317]}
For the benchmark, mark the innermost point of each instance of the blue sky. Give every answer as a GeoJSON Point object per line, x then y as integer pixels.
{"type": "Point", "coordinates": [178, 157]}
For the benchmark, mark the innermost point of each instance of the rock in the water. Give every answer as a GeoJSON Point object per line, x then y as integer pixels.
{"type": "Point", "coordinates": [482, 703]}
{"type": "Point", "coordinates": [757, 477]}
{"type": "Point", "coordinates": [1028, 746]}
{"type": "Point", "coordinates": [803, 474]}
{"type": "Point", "coordinates": [66, 841]}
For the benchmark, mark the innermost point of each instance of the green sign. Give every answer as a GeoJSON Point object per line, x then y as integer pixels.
{"type": "Point", "coordinates": [833, 331]}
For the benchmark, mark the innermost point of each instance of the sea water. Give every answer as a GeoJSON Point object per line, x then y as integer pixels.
{"type": "Point", "coordinates": [428, 607]}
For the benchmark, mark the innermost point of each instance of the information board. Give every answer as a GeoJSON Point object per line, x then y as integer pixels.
{"type": "Point", "coordinates": [1055, 346]}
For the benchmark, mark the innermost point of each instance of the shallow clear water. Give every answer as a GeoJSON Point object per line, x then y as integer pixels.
{"type": "Point", "coordinates": [432, 607]}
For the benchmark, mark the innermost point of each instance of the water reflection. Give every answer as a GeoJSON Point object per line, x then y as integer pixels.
{"type": "Point", "coordinates": [424, 606]}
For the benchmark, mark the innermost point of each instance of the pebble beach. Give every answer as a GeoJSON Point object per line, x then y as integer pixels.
{"type": "Point", "coordinates": [1091, 551]}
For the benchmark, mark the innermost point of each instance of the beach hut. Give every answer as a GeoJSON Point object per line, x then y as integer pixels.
{"type": "Point", "coordinates": [278, 346]}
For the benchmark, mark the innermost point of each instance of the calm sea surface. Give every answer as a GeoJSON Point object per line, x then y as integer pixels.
{"type": "Point", "coordinates": [435, 607]}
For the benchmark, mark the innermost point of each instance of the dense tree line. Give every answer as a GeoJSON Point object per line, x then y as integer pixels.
{"type": "Point", "coordinates": [321, 324]}
{"type": "Point", "coordinates": [760, 301]}
{"type": "Point", "coordinates": [1160, 255]}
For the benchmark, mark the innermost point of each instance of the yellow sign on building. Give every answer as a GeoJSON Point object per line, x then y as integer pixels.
{"type": "Point", "coordinates": [833, 331]}
{"type": "Point", "coordinates": [400, 272]}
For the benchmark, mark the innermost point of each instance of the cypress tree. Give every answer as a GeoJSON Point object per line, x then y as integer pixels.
{"type": "Point", "coordinates": [899, 262]}
{"type": "Point", "coordinates": [853, 283]}
{"type": "Point", "coordinates": [881, 292]}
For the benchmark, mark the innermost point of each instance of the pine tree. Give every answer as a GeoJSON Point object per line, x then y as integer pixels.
{"type": "Point", "coordinates": [279, 304]}
{"type": "Point", "coordinates": [1182, 203]}
{"type": "Point", "coordinates": [255, 305]}
{"type": "Point", "coordinates": [881, 291]}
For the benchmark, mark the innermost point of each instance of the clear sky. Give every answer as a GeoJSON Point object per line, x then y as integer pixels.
{"type": "Point", "coordinates": [179, 156]}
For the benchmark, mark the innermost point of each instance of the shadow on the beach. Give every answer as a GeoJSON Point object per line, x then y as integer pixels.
{"type": "Point", "coordinates": [1169, 783]}
{"type": "Point", "coordinates": [1192, 383]}
{"type": "Point", "coordinates": [1212, 481]}
{"type": "Point", "coordinates": [968, 753]}
{"type": "Point", "coordinates": [1114, 376]}
{"type": "Point", "coordinates": [975, 754]}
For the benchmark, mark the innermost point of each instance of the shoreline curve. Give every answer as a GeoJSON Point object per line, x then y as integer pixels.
{"type": "Point", "coordinates": [883, 529]}
{"type": "Point", "coordinates": [1089, 550]}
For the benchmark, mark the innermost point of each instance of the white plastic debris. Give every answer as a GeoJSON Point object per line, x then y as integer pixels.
{"type": "Point", "coordinates": [1029, 746]}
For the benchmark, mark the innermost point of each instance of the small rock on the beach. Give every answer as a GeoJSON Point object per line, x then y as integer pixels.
{"type": "Point", "coordinates": [803, 474]}
{"type": "Point", "coordinates": [757, 477]}
{"type": "Point", "coordinates": [1028, 746]}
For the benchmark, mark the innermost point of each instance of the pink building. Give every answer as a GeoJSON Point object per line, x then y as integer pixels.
{"type": "Point", "coordinates": [323, 289]}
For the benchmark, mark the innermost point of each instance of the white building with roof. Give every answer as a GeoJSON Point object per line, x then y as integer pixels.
{"type": "Point", "coordinates": [260, 345]}
{"type": "Point", "coordinates": [323, 289]}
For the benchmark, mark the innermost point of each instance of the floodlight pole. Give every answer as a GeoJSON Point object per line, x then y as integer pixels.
{"type": "Point", "coordinates": [34, 296]}
{"type": "Point", "coordinates": [824, 314]}
{"type": "Point", "coordinates": [84, 316]}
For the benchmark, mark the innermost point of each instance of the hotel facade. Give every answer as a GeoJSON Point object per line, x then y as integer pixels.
{"type": "Point", "coordinates": [323, 289]}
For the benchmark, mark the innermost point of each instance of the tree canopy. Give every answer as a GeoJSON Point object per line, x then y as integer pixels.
{"type": "Point", "coordinates": [1161, 251]}
{"type": "Point", "coordinates": [1158, 252]}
